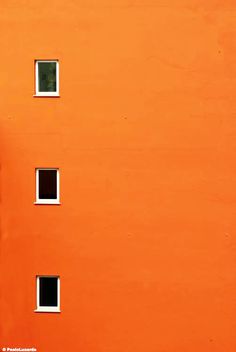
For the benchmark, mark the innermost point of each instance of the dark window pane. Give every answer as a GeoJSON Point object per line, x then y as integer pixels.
{"type": "Point", "coordinates": [48, 291]}
{"type": "Point", "coordinates": [47, 76]}
{"type": "Point", "coordinates": [47, 184]}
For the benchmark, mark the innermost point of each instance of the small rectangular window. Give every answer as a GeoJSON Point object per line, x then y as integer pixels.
{"type": "Point", "coordinates": [47, 186]}
{"type": "Point", "coordinates": [48, 294]}
{"type": "Point", "coordinates": [47, 77]}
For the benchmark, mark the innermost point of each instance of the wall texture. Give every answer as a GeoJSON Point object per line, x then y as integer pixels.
{"type": "Point", "coordinates": [144, 135]}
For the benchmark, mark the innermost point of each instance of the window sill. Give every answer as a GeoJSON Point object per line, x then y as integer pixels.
{"type": "Point", "coordinates": [47, 202]}
{"type": "Point", "coordinates": [46, 95]}
{"type": "Point", "coordinates": [47, 310]}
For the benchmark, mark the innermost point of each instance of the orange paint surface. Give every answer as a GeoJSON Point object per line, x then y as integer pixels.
{"type": "Point", "coordinates": [144, 134]}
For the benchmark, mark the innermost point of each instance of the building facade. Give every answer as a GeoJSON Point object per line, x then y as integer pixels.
{"type": "Point", "coordinates": [135, 148]}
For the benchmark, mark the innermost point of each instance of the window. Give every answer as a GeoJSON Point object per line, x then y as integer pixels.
{"type": "Point", "coordinates": [48, 294]}
{"type": "Point", "coordinates": [47, 78]}
{"type": "Point", "coordinates": [47, 186]}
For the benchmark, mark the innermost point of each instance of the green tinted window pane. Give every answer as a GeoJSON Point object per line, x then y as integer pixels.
{"type": "Point", "coordinates": [47, 76]}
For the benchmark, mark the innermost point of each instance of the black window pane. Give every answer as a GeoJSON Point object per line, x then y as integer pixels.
{"type": "Point", "coordinates": [47, 76]}
{"type": "Point", "coordinates": [47, 184]}
{"type": "Point", "coordinates": [48, 291]}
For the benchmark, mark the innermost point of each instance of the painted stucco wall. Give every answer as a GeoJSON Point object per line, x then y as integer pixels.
{"type": "Point", "coordinates": [144, 134]}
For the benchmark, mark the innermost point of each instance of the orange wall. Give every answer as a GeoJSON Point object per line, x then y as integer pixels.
{"type": "Point", "coordinates": [144, 135]}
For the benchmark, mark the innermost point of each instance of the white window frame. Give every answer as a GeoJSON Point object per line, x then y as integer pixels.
{"type": "Point", "coordinates": [47, 201]}
{"type": "Point", "coordinates": [46, 94]}
{"type": "Point", "coordinates": [55, 309]}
